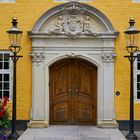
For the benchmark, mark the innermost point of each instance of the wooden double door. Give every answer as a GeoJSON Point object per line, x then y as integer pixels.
{"type": "Point", "coordinates": [73, 88]}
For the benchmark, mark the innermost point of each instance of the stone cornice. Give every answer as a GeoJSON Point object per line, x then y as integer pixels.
{"type": "Point", "coordinates": [112, 35]}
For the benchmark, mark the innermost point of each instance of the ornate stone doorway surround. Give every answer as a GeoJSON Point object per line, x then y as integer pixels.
{"type": "Point", "coordinates": [72, 30]}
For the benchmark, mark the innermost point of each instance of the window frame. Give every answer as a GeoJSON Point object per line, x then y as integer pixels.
{"type": "Point", "coordinates": [7, 71]}
{"type": "Point", "coordinates": [136, 72]}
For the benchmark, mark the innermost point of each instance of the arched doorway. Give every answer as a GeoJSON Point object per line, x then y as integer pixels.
{"type": "Point", "coordinates": [73, 30]}
{"type": "Point", "coordinates": [73, 89]}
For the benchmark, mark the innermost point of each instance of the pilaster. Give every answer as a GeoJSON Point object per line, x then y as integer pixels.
{"type": "Point", "coordinates": [38, 85]}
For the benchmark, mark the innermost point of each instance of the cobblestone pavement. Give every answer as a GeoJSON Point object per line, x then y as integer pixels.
{"type": "Point", "coordinates": [72, 133]}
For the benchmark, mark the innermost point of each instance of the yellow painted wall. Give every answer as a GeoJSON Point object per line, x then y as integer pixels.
{"type": "Point", "coordinates": [28, 12]}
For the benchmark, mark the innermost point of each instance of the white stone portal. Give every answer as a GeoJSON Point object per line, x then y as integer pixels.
{"type": "Point", "coordinates": [73, 30]}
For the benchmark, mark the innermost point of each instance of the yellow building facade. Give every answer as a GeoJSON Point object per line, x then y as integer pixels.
{"type": "Point", "coordinates": [29, 15]}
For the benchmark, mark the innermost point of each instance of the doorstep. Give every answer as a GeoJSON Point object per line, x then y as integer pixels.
{"type": "Point", "coordinates": [69, 132]}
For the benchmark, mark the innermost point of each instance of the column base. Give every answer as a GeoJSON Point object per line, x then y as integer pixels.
{"type": "Point", "coordinates": [107, 124]}
{"type": "Point", "coordinates": [37, 124]}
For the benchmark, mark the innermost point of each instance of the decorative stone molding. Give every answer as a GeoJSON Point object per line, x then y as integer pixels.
{"type": "Point", "coordinates": [73, 20]}
{"type": "Point", "coordinates": [73, 9]}
{"type": "Point", "coordinates": [73, 25]}
{"type": "Point", "coordinates": [37, 57]}
{"type": "Point", "coordinates": [108, 57]}
{"type": "Point", "coordinates": [72, 55]}
{"type": "Point", "coordinates": [84, 9]}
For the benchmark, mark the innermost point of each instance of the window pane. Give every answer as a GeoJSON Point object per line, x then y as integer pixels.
{"type": "Point", "coordinates": [0, 94]}
{"type": "Point", "coordinates": [0, 85]}
{"type": "Point", "coordinates": [0, 65]}
{"type": "Point", "coordinates": [138, 66]}
{"type": "Point", "coordinates": [138, 57]}
{"type": "Point", "coordinates": [138, 95]}
{"type": "Point", "coordinates": [6, 57]}
{"type": "Point", "coordinates": [138, 78]}
{"type": "Point", "coordinates": [0, 77]}
{"type": "Point", "coordinates": [6, 94]}
{"type": "Point", "coordinates": [6, 85]}
{"type": "Point", "coordinates": [138, 86]}
{"type": "Point", "coordinates": [0, 57]}
{"type": "Point", "coordinates": [6, 77]}
{"type": "Point", "coordinates": [6, 65]}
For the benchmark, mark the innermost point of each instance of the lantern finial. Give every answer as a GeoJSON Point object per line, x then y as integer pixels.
{"type": "Point", "coordinates": [132, 18]}
{"type": "Point", "coordinates": [132, 21]}
{"type": "Point", "coordinates": [14, 22]}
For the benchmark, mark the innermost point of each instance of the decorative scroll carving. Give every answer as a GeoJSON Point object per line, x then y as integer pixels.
{"type": "Point", "coordinates": [73, 26]}
{"type": "Point", "coordinates": [108, 57]}
{"type": "Point", "coordinates": [38, 57]}
{"type": "Point", "coordinates": [73, 9]}
{"type": "Point", "coordinates": [72, 55]}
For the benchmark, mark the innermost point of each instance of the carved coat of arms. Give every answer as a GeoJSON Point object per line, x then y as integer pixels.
{"type": "Point", "coordinates": [73, 25]}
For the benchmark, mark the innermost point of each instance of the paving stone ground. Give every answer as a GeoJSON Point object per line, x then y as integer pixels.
{"type": "Point", "coordinates": [72, 133]}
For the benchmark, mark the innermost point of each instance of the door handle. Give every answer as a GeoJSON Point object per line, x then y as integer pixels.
{"type": "Point", "coordinates": [76, 91]}
{"type": "Point", "coordinates": [69, 91]}
{"type": "Point", "coordinates": [73, 92]}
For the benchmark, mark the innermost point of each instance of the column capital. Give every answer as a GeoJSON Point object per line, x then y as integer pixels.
{"type": "Point", "coordinates": [37, 57]}
{"type": "Point", "coordinates": [108, 57]}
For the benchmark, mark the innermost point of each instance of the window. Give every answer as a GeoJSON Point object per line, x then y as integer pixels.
{"type": "Point", "coordinates": [7, 0]}
{"type": "Point", "coordinates": [136, 1]}
{"type": "Point", "coordinates": [5, 74]}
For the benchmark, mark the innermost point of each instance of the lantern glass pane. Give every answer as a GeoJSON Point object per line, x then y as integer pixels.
{"type": "Point", "coordinates": [15, 39]}
{"type": "Point", "coordinates": [132, 39]}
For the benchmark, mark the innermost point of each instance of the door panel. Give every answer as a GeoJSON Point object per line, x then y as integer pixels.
{"type": "Point", "coordinates": [73, 92]}
{"type": "Point", "coordinates": [86, 86]}
{"type": "Point", "coordinates": [60, 99]}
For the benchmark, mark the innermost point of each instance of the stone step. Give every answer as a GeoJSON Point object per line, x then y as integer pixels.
{"type": "Point", "coordinates": [72, 138]}
{"type": "Point", "coordinates": [72, 133]}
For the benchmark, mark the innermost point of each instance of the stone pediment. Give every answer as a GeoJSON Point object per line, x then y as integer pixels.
{"type": "Point", "coordinates": [73, 25]}
{"type": "Point", "coordinates": [73, 20]}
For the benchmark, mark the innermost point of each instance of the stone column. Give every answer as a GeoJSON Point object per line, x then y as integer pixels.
{"type": "Point", "coordinates": [38, 93]}
{"type": "Point", "coordinates": [108, 114]}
